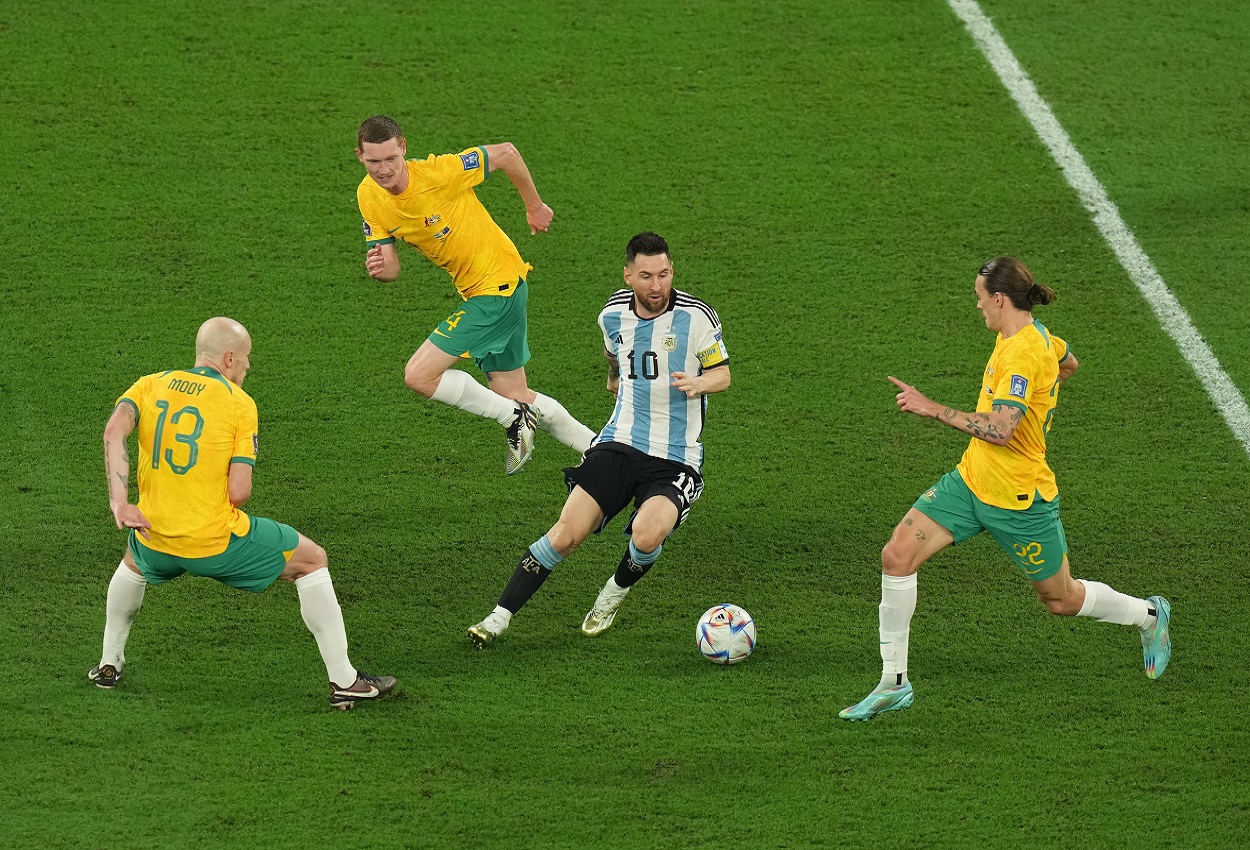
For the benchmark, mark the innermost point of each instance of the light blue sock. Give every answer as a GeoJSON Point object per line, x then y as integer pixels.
{"type": "Point", "coordinates": [644, 559]}
{"type": "Point", "coordinates": [546, 553]}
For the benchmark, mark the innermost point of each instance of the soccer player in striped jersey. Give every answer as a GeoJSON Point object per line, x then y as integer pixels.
{"type": "Point", "coordinates": [197, 436]}
{"type": "Point", "coordinates": [430, 204]}
{"type": "Point", "coordinates": [665, 356]}
{"type": "Point", "coordinates": [1002, 485]}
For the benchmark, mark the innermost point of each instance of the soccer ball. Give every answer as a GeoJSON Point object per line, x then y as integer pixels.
{"type": "Point", "coordinates": [725, 634]}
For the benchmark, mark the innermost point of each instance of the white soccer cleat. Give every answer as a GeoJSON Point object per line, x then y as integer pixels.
{"type": "Point", "coordinates": [520, 439]}
{"type": "Point", "coordinates": [484, 633]}
{"type": "Point", "coordinates": [600, 618]}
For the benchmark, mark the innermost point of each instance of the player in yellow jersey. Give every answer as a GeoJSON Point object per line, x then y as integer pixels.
{"type": "Point", "coordinates": [430, 204]}
{"type": "Point", "coordinates": [1002, 485]}
{"type": "Point", "coordinates": [197, 446]}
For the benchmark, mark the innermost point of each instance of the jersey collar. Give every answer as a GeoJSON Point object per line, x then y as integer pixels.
{"type": "Point", "coordinates": [672, 302]}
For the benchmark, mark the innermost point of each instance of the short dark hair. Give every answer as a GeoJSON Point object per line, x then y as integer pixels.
{"type": "Point", "coordinates": [376, 130]}
{"type": "Point", "coordinates": [1013, 279]}
{"type": "Point", "coordinates": [648, 244]}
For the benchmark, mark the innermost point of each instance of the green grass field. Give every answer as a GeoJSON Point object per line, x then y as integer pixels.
{"type": "Point", "coordinates": [829, 175]}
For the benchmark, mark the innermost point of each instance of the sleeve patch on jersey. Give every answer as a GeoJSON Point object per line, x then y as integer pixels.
{"type": "Point", "coordinates": [256, 443]}
{"type": "Point", "coordinates": [1019, 386]}
{"type": "Point", "coordinates": [367, 228]}
{"type": "Point", "coordinates": [711, 355]}
{"type": "Point", "coordinates": [471, 160]}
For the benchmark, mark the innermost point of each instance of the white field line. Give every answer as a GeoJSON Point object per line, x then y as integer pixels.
{"type": "Point", "coordinates": [1172, 316]}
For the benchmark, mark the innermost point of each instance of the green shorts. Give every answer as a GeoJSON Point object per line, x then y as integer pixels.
{"type": "Point", "coordinates": [249, 563]}
{"type": "Point", "coordinates": [1034, 537]}
{"type": "Point", "coordinates": [489, 328]}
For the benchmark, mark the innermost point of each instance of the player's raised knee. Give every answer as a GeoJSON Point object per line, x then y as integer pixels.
{"type": "Point", "coordinates": [1062, 606]}
{"type": "Point", "coordinates": [564, 538]}
{"type": "Point", "coordinates": [419, 382]}
{"type": "Point", "coordinates": [649, 539]}
{"type": "Point", "coordinates": [317, 556]}
{"type": "Point", "coordinates": [307, 558]}
{"type": "Point", "coordinates": [895, 560]}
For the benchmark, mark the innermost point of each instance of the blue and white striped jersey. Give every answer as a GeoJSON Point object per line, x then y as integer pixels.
{"type": "Point", "coordinates": [651, 414]}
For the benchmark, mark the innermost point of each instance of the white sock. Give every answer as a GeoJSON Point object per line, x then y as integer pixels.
{"type": "Point", "coordinates": [324, 619]}
{"type": "Point", "coordinates": [559, 423]}
{"type": "Point", "coordinates": [498, 619]}
{"type": "Point", "coordinates": [460, 390]}
{"type": "Point", "coordinates": [898, 603]}
{"type": "Point", "coordinates": [1107, 605]}
{"type": "Point", "coordinates": [124, 598]}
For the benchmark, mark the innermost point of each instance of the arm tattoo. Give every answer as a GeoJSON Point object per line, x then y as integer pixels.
{"type": "Point", "coordinates": [982, 425]}
{"type": "Point", "coordinates": [987, 431]}
{"type": "Point", "coordinates": [123, 475]}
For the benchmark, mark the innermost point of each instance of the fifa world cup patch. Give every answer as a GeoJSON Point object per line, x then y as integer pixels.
{"type": "Point", "coordinates": [1019, 386]}
{"type": "Point", "coordinates": [368, 229]}
{"type": "Point", "coordinates": [256, 444]}
{"type": "Point", "coordinates": [471, 160]}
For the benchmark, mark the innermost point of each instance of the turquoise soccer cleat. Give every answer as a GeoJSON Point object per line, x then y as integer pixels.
{"type": "Point", "coordinates": [883, 698]}
{"type": "Point", "coordinates": [1156, 645]}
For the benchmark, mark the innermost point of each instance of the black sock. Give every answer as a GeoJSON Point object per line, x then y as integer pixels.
{"type": "Point", "coordinates": [628, 572]}
{"type": "Point", "coordinates": [528, 576]}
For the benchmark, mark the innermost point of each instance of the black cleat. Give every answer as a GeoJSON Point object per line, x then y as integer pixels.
{"type": "Point", "coordinates": [364, 688]}
{"type": "Point", "coordinates": [105, 676]}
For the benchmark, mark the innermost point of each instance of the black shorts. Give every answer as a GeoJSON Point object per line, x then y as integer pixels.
{"type": "Point", "coordinates": [614, 473]}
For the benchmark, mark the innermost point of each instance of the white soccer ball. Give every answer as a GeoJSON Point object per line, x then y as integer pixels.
{"type": "Point", "coordinates": [725, 634]}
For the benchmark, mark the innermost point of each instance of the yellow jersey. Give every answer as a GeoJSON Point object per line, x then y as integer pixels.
{"type": "Point", "coordinates": [439, 215]}
{"type": "Point", "coordinates": [193, 423]}
{"type": "Point", "coordinates": [1023, 372]}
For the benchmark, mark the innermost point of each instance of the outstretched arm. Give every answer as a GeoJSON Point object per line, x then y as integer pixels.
{"type": "Point", "coordinates": [506, 158]}
{"type": "Point", "coordinates": [117, 469]}
{"type": "Point", "coordinates": [995, 427]}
